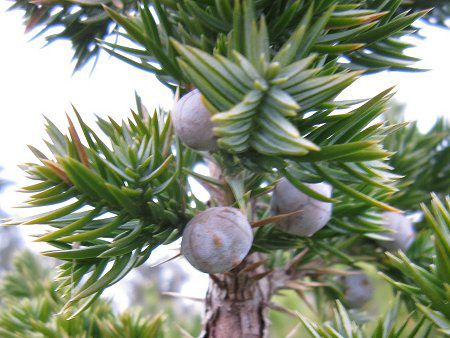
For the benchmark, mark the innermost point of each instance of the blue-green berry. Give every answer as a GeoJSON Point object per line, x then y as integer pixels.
{"type": "Point", "coordinates": [358, 289]}
{"type": "Point", "coordinates": [402, 234]}
{"type": "Point", "coordinates": [314, 214]}
{"type": "Point", "coordinates": [217, 239]}
{"type": "Point", "coordinates": [192, 122]}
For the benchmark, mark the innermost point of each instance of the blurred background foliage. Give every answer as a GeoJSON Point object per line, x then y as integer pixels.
{"type": "Point", "coordinates": [30, 305]}
{"type": "Point", "coordinates": [422, 158]}
{"type": "Point", "coordinates": [30, 301]}
{"type": "Point", "coordinates": [10, 239]}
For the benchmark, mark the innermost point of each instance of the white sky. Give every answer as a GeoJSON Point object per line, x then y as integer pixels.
{"type": "Point", "coordinates": [36, 81]}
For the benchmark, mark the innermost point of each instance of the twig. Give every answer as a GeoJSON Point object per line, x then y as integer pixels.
{"type": "Point", "coordinates": [295, 286]}
{"type": "Point", "coordinates": [293, 264]}
{"type": "Point", "coordinates": [183, 331]}
{"type": "Point", "coordinates": [252, 266]}
{"type": "Point", "coordinates": [179, 295]}
{"type": "Point", "coordinates": [261, 275]}
{"type": "Point", "coordinates": [305, 300]}
{"type": "Point", "coordinates": [282, 309]}
{"type": "Point", "coordinates": [217, 280]}
{"type": "Point", "coordinates": [294, 331]}
{"type": "Point", "coordinates": [166, 261]}
{"type": "Point", "coordinates": [274, 219]}
{"type": "Point", "coordinates": [326, 271]}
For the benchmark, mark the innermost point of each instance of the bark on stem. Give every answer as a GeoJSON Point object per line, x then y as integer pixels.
{"type": "Point", "coordinates": [236, 303]}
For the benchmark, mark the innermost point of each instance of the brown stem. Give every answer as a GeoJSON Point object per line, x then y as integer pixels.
{"type": "Point", "coordinates": [236, 303]}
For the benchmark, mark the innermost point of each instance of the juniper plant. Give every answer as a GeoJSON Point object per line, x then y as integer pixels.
{"type": "Point", "coordinates": [269, 73]}
{"type": "Point", "coordinates": [30, 306]}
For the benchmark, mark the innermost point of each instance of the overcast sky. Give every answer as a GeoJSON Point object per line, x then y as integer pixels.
{"type": "Point", "coordinates": [38, 81]}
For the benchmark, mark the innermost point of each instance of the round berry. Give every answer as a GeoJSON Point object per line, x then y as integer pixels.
{"type": "Point", "coordinates": [402, 234]}
{"type": "Point", "coordinates": [358, 289]}
{"type": "Point", "coordinates": [314, 214]}
{"type": "Point", "coordinates": [217, 239]}
{"type": "Point", "coordinates": [192, 122]}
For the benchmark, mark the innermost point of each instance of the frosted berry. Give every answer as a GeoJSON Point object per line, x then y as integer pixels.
{"type": "Point", "coordinates": [358, 289]}
{"type": "Point", "coordinates": [192, 122]}
{"type": "Point", "coordinates": [403, 231]}
{"type": "Point", "coordinates": [217, 239]}
{"type": "Point", "coordinates": [315, 214]}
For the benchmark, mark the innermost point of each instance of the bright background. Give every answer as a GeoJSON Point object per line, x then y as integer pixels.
{"type": "Point", "coordinates": [36, 82]}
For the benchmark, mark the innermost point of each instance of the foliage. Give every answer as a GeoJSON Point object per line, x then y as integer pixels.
{"type": "Point", "coordinates": [424, 284]}
{"type": "Point", "coordinates": [423, 159]}
{"type": "Point", "coordinates": [30, 305]}
{"type": "Point", "coordinates": [149, 292]}
{"type": "Point", "coordinates": [438, 16]}
{"type": "Point", "coordinates": [390, 325]}
{"type": "Point", "coordinates": [270, 73]}
{"type": "Point", "coordinates": [116, 202]}
{"type": "Point", "coordinates": [83, 21]}
{"type": "Point", "coordinates": [286, 32]}
{"type": "Point", "coordinates": [429, 285]}
{"type": "Point", "coordinates": [275, 99]}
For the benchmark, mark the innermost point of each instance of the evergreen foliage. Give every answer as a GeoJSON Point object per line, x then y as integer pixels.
{"type": "Point", "coordinates": [423, 159]}
{"type": "Point", "coordinates": [84, 21]}
{"type": "Point", "coordinates": [425, 285]}
{"type": "Point", "coordinates": [428, 285]}
{"type": "Point", "coordinates": [270, 73]}
{"type": "Point", "coordinates": [119, 200]}
{"type": "Point", "coordinates": [30, 307]}
{"type": "Point", "coordinates": [344, 326]}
